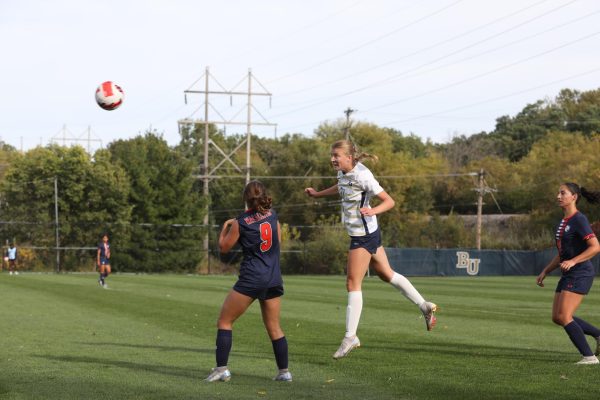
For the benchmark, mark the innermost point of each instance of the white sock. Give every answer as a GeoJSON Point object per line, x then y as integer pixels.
{"type": "Point", "coordinates": [355, 303]}
{"type": "Point", "coordinates": [408, 290]}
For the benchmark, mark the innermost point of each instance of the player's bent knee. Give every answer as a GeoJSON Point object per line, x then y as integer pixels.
{"type": "Point", "coordinates": [561, 319]}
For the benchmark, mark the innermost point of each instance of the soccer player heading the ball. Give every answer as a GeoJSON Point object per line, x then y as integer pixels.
{"type": "Point", "coordinates": [576, 244]}
{"type": "Point", "coordinates": [356, 186]}
{"type": "Point", "coordinates": [258, 232]}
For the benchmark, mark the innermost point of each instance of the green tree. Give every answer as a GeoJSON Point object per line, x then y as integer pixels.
{"type": "Point", "coordinates": [166, 209]}
{"type": "Point", "coordinates": [92, 195]}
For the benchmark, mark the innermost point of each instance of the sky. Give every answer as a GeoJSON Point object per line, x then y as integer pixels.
{"type": "Point", "coordinates": [435, 69]}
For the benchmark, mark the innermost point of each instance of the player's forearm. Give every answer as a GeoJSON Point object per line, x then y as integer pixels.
{"type": "Point", "coordinates": [330, 191]}
{"type": "Point", "coordinates": [588, 254]}
{"type": "Point", "coordinates": [552, 265]}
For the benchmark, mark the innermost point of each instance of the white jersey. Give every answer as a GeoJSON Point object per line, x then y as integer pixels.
{"type": "Point", "coordinates": [356, 188]}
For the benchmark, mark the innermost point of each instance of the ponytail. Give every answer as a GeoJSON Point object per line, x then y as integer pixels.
{"type": "Point", "coordinates": [592, 197]}
{"type": "Point", "coordinates": [255, 197]}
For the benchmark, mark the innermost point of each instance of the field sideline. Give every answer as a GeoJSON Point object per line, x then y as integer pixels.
{"type": "Point", "coordinates": [152, 337]}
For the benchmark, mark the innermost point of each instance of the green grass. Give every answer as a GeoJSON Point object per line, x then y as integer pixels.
{"type": "Point", "coordinates": [152, 337]}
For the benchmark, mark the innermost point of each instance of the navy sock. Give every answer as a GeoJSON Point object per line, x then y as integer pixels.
{"type": "Point", "coordinates": [578, 338]}
{"type": "Point", "coordinates": [588, 328]}
{"type": "Point", "coordinates": [224, 341]}
{"type": "Point", "coordinates": [280, 348]}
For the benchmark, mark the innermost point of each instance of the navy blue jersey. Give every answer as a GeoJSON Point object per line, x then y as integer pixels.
{"type": "Point", "coordinates": [260, 244]}
{"type": "Point", "coordinates": [572, 235]}
{"type": "Point", "coordinates": [104, 250]}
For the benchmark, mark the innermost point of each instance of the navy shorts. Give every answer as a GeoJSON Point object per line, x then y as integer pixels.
{"type": "Point", "coordinates": [258, 293]}
{"type": "Point", "coordinates": [575, 284]}
{"type": "Point", "coordinates": [104, 261]}
{"type": "Point", "coordinates": [370, 242]}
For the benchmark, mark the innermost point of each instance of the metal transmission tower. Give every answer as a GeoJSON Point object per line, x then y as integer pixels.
{"type": "Point", "coordinates": [207, 174]}
{"type": "Point", "coordinates": [65, 136]}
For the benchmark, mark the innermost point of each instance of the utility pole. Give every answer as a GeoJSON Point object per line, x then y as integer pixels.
{"type": "Point", "coordinates": [56, 224]}
{"type": "Point", "coordinates": [208, 174]}
{"type": "Point", "coordinates": [482, 189]}
{"type": "Point", "coordinates": [348, 111]}
{"type": "Point", "coordinates": [479, 207]}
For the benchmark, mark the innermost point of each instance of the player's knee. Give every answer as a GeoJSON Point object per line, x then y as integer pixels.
{"type": "Point", "coordinates": [384, 276]}
{"type": "Point", "coordinates": [353, 285]}
{"type": "Point", "coordinates": [274, 332]}
{"type": "Point", "coordinates": [225, 323]}
{"type": "Point", "coordinates": [561, 319]}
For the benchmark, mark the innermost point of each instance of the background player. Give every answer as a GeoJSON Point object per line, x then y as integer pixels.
{"type": "Point", "coordinates": [259, 234]}
{"type": "Point", "coordinates": [103, 260]}
{"type": "Point", "coordinates": [356, 186]}
{"type": "Point", "coordinates": [576, 244]}
{"type": "Point", "coordinates": [12, 259]}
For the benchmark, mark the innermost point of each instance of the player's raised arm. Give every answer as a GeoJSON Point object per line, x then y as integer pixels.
{"type": "Point", "coordinates": [229, 235]}
{"type": "Point", "coordinates": [330, 191]}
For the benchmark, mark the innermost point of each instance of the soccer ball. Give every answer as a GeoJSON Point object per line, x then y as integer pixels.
{"type": "Point", "coordinates": [109, 96]}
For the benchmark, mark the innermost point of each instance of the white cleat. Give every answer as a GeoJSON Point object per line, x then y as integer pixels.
{"type": "Point", "coordinates": [219, 374]}
{"type": "Point", "coordinates": [430, 319]}
{"type": "Point", "coordinates": [283, 376]}
{"type": "Point", "coordinates": [588, 360]}
{"type": "Point", "coordinates": [597, 353]}
{"type": "Point", "coordinates": [348, 344]}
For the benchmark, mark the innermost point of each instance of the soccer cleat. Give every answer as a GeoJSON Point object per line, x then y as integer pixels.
{"type": "Point", "coordinates": [597, 353]}
{"type": "Point", "coordinates": [283, 376]}
{"type": "Point", "coordinates": [219, 374]}
{"type": "Point", "coordinates": [348, 344]}
{"type": "Point", "coordinates": [16, 272]}
{"type": "Point", "coordinates": [10, 273]}
{"type": "Point", "coordinates": [430, 319]}
{"type": "Point", "coordinates": [101, 282]}
{"type": "Point", "coordinates": [588, 360]}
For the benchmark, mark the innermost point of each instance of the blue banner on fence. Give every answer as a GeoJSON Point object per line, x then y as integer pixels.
{"type": "Point", "coordinates": [468, 262]}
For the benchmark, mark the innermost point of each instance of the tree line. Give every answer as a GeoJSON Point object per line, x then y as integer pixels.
{"type": "Point", "coordinates": [147, 196]}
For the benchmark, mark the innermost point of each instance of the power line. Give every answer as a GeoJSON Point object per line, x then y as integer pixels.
{"type": "Point", "coordinates": [433, 46]}
{"type": "Point", "coordinates": [506, 66]}
{"type": "Point", "coordinates": [403, 73]}
{"type": "Point", "coordinates": [304, 177]}
{"type": "Point", "coordinates": [499, 97]}
{"type": "Point", "coordinates": [367, 43]}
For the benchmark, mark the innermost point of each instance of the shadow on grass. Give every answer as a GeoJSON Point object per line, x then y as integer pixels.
{"type": "Point", "coordinates": [240, 353]}
{"type": "Point", "coordinates": [151, 347]}
{"type": "Point", "coordinates": [135, 366]}
{"type": "Point", "coordinates": [473, 350]}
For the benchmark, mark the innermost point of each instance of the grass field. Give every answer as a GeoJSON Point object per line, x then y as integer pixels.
{"type": "Point", "coordinates": [152, 337]}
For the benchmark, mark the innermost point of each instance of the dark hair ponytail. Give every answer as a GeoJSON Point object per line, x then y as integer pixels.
{"type": "Point", "coordinates": [255, 197]}
{"type": "Point", "coordinates": [591, 197]}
